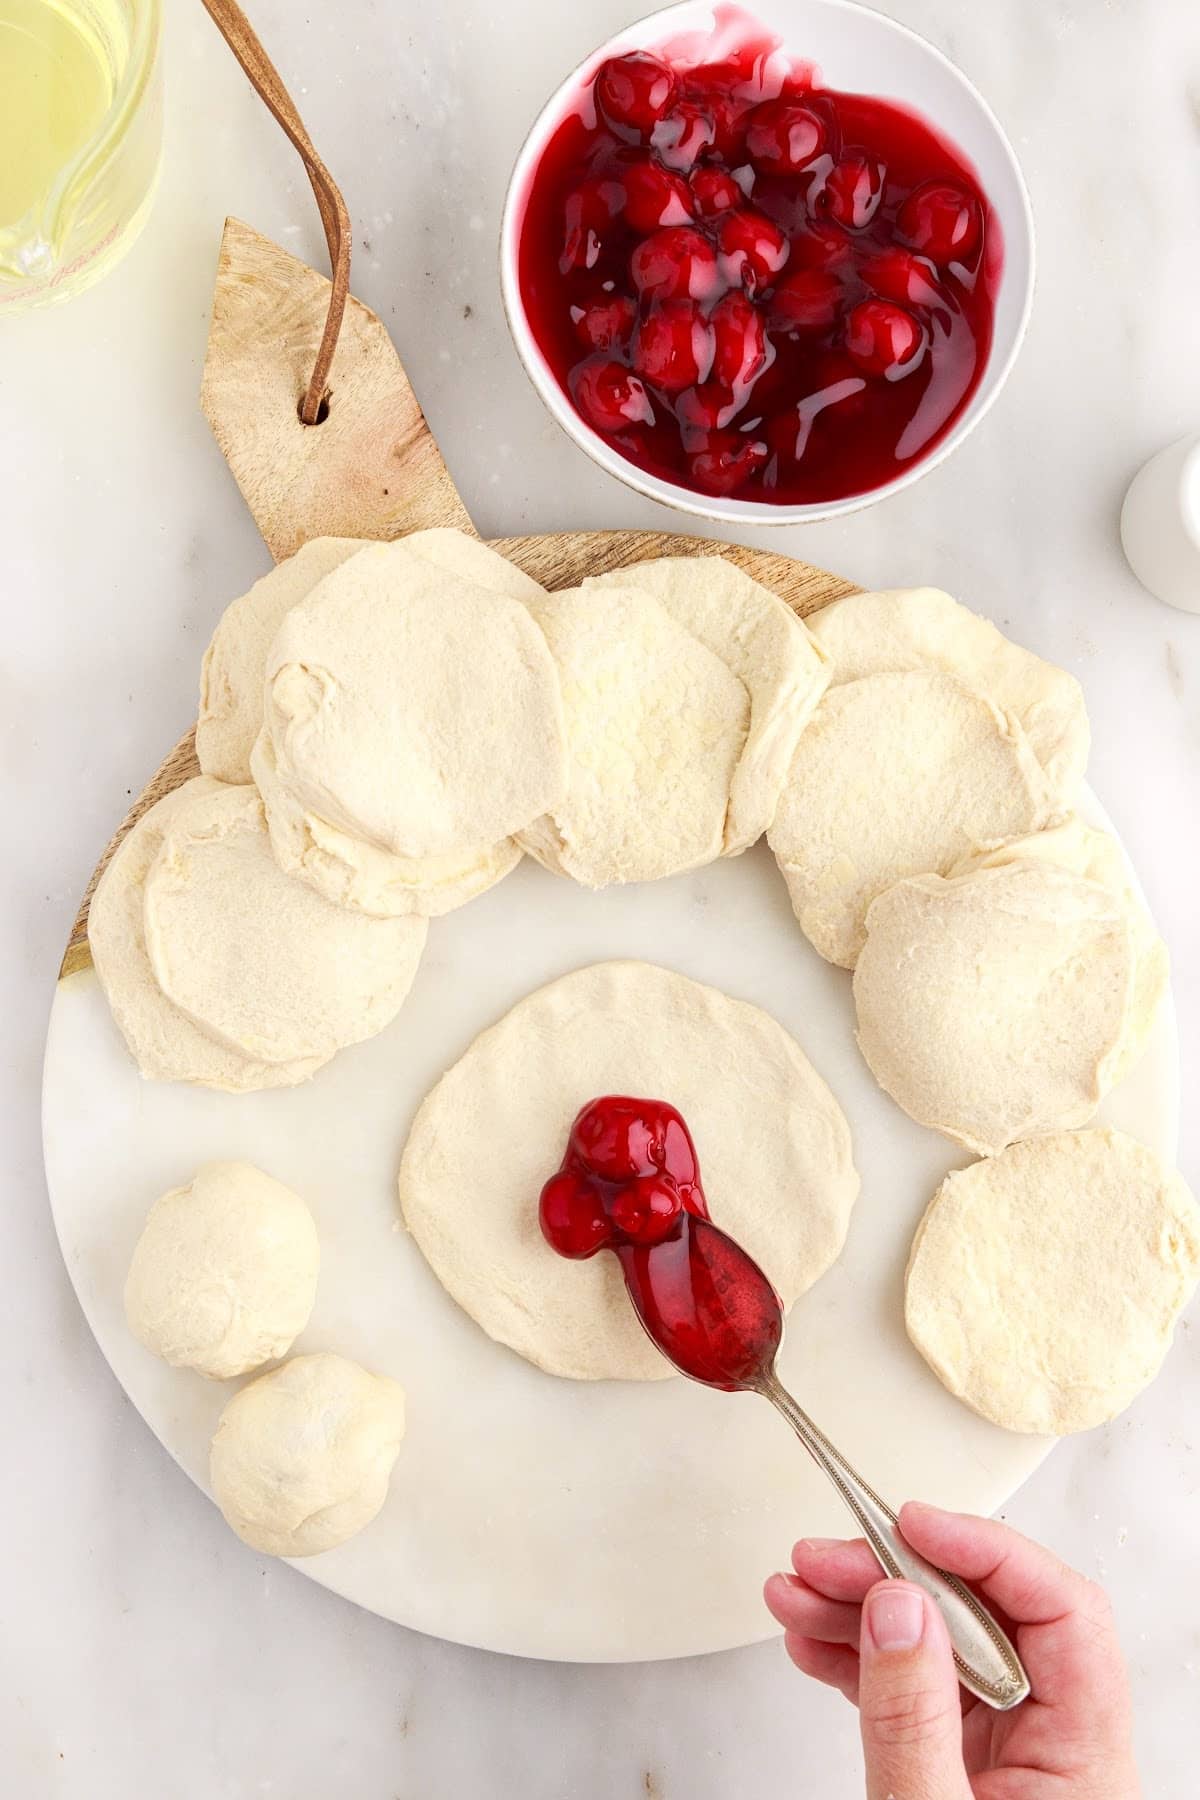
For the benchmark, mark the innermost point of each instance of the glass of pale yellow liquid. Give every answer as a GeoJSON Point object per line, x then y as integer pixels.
{"type": "Point", "coordinates": [80, 140]}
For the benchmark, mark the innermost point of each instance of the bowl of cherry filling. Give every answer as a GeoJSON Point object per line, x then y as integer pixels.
{"type": "Point", "coordinates": [767, 268]}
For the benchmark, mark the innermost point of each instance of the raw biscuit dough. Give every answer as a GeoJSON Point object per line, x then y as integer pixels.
{"type": "Point", "coordinates": [163, 1041]}
{"type": "Point", "coordinates": [1098, 857]}
{"type": "Point", "coordinates": [1043, 1286]}
{"type": "Point", "coordinates": [993, 1006]}
{"type": "Point", "coordinates": [410, 707]}
{"type": "Point", "coordinates": [302, 1456]}
{"type": "Point", "coordinates": [349, 872]}
{"type": "Point", "coordinates": [234, 667]}
{"type": "Point", "coordinates": [231, 675]}
{"type": "Point", "coordinates": [896, 775]}
{"type": "Point", "coordinates": [901, 629]}
{"type": "Point", "coordinates": [256, 959]}
{"type": "Point", "coordinates": [766, 645]}
{"type": "Point", "coordinates": [773, 1143]}
{"type": "Point", "coordinates": [224, 1274]}
{"type": "Point", "coordinates": [655, 727]}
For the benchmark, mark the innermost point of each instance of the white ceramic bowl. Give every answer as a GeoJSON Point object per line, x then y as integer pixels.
{"type": "Point", "coordinates": [858, 51]}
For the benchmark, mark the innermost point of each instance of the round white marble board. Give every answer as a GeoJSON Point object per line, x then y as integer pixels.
{"type": "Point", "coordinates": [541, 1517]}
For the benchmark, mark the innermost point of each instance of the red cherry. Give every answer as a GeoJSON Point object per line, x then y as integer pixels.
{"type": "Point", "coordinates": [740, 352]}
{"type": "Point", "coordinates": [610, 398]}
{"type": "Point", "coordinates": [677, 263]}
{"type": "Point", "coordinates": [605, 322]}
{"type": "Point", "coordinates": [939, 219]}
{"type": "Point", "coordinates": [703, 410]}
{"type": "Point", "coordinates": [820, 246]}
{"type": "Point", "coordinates": [654, 196]}
{"type": "Point", "coordinates": [682, 137]}
{"type": "Point", "coordinates": [753, 248]}
{"type": "Point", "coordinates": [713, 191]}
{"type": "Point", "coordinates": [618, 1139]}
{"type": "Point", "coordinates": [727, 462]}
{"type": "Point", "coordinates": [903, 276]}
{"type": "Point", "coordinates": [784, 137]}
{"type": "Point", "coordinates": [853, 189]}
{"type": "Point", "coordinates": [673, 346]}
{"type": "Point", "coordinates": [883, 339]}
{"type": "Point", "coordinates": [807, 300]}
{"type": "Point", "coordinates": [713, 86]}
{"type": "Point", "coordinates": [634, 91]}
{"type": "Point", "coordinates": [588, 213]}
{"type": "Point", "coordinates": [646, 1209]}
{"type": "Point", "coordinates": [572, 1216]}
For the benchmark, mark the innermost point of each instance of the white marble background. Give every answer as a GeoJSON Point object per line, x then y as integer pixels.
{"type": "Point", "coordinates": [144, 1652]}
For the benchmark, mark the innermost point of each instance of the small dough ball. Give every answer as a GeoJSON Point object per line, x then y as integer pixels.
{"type": "Point", "coordinates": [896, 775]}
{"type": "Point", "coordinates": [302, 1455]}
{"type": "Point", "coordinates": [774, 1147]}
{"type": "Point", "coordinates": [900, 629]}
{"type": "Point", "coordinates": [994, 1006]}
{"type": "Point", "coordinates": [256, 959]}
{"type": "Point", "coordinates": [655, 727]}
{"type": "Point", "coordinates": [349, 872]}
{"type": "Point", "coordinates": [231, 675]}
{"type": "Point", "coordinates": [1044, 1286]}
{"type": "Point", "coordinates": [164, 1042]}
{"type": "Point", "coordinates": [224, 1275]}
{"type": "Point", "coordinates": [766, 645]}
{"type": "Point", "coordinates": [410, 706]}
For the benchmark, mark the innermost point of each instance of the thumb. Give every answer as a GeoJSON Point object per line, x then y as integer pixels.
{"type": "Point", "coordinates": [908, 1699]}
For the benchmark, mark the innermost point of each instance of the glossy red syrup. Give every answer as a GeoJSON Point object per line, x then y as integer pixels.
{"type": "Point", "coordinates": [630, 1183]}
{"type": "Point", "coordinates": [753, 285]}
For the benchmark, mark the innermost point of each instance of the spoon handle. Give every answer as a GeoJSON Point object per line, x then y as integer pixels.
{"type": "Point", "coordinates": [987, 1664]}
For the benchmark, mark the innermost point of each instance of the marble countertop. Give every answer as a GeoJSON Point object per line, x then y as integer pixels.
{"type": "Point", "coordinates": [145, 1651]}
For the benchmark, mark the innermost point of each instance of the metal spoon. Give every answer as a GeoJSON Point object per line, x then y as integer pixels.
{"type": "Point", "coordinates": [713, 1313]}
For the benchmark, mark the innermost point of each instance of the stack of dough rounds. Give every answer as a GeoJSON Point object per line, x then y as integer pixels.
{"type": "Point", "coordinates": [938, 736]}
{"type": "Point", "coordinates": [413, 724]}
{"type": "Point", "coordinates": [766, 645]}
{"type": "Point", "coordinates": [686, 686]}
{"type": "Point", "coordinates": [897, 775]}
{"type": "Point", "coordinates": [774, 1150]}
{"type": "Point", "coordinates": [302, 1456]}
{"type": "Point", "coordinates": [898, 630]}
{"type": "Point", "coordinates": [1005, 1002]}
{"type": "Point", "coordinates": [224, 1275]}
{"type": "Point", "coordinates": [1044, 1285]}
{"type": "Point", "coordinates": [222, 970]}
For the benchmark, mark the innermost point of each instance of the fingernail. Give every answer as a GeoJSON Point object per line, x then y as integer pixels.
{"type": "Point", "coordinates": [896, 1618]}
{"type": "Point", "coordinates": [820, 1544]}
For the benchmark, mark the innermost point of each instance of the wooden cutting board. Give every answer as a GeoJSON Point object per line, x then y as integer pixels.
{"type": "Point", "coordinates": [371, 470]}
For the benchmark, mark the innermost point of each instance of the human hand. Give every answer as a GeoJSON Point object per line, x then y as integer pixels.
{"type": "Point", "coordinates": [884, 1645]}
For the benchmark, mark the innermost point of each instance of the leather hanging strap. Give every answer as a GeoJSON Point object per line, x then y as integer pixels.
{"type": "Point", "coordinates": [238, 33]}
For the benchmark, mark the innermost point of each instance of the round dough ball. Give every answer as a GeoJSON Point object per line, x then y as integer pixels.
{"type": "Point", "coordinates": [900, 629]}
{"type": "Point", "coordinates": [349, 872]}
{"type": "Point", "coordinates": [231, 675]}
{"type": "Point", "coordinates": [163, 1041]}
{"type": "Point", "coordinates": [1043, 1286]}
{"type": "Point", "coordinates": [766, 645]}
{"type": "Point", "coordinates": [302, 1455]}
{"type": "Point", "coordinates": [994, 1006]}
{"type": "Point", "coordinates": [655, 728]}
{"type": "Point", "coordinates": [256, 959]}
{"type": "Point", "coordinates": [896, 775]}
{"type": "Point", "coordinates": [773, 1144]}
{"type": "Point", "coordinates": [224, 1275]}
{"type": "Point", "coordinates": [413, 708]}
